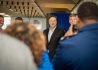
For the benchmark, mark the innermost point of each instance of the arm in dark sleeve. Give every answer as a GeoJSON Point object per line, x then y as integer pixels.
{"type": "Point", "coordinates": [62, 59]}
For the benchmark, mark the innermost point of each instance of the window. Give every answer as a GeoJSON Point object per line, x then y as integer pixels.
{"type": "Point", "coordinates": [7, 21]}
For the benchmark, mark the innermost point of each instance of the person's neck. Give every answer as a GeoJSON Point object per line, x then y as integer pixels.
{"type": "Point", "coordinates": [91, 21]}
{"type": "Point", "coordinates": [88, 22]}
{"type": "Point", "coordinates": [52, 28]}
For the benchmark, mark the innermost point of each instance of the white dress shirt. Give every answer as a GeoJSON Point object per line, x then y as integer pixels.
{"type": "Point", "coordinates": [51, 30]}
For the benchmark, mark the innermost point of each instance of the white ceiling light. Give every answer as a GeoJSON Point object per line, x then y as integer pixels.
{"type": "Point", "coordinates": [2, 13]}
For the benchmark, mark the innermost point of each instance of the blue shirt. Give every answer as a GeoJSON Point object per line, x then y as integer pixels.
{"type": "Point", "coordinates": [46, 64]}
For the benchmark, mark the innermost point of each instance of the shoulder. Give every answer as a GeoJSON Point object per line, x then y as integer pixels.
{"type": "Point", "coordinates": [60, 31]}
{"type": "Point", "coordinates": [73, 43]}
{"type": "Point", "coordinates": [64, 53]}
{"type": "Point", "coordinates": [67, 49]}
{"type": "Point", "coordinates": [46, 30]}
{"type": "Point", "coordinates": [67, 52]}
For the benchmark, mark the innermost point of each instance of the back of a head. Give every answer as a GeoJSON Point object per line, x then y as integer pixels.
{"type": "Point", "coordinates": [28, 34]}
{"type": "Point", "coordinates": [18, 20]}
{"type": "Point", "coordinates": [14, 55]}
{"type": "Point", "coordinates": [88, 10]}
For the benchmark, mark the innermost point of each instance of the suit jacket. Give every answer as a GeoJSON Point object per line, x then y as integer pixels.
{"type": "Point", "coordinates": [52, 45]}
{"type": "Point", "coordinates": [79, 52]}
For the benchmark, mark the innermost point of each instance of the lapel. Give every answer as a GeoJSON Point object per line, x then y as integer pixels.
{"type": "Point", "coordinates": [53, 35]}
{"type": "Point", "coordinates": [47, 31]}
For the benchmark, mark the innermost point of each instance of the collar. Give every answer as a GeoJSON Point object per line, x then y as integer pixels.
{"type": "Point", "coordinates": [89, 27]}
{"type": "Point", "coordinates": [52, 29]}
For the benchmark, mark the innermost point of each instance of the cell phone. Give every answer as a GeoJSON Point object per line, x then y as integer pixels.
{"type": "Point", "coordinates": [74, 29]}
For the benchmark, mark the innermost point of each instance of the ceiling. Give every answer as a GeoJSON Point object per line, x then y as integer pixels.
{"type": "Point", "coordinates": [48, 6]}
{"type": "Point", "coordinates": [26, 8]}
{"type": "Point", "coordinates": [35, 8]}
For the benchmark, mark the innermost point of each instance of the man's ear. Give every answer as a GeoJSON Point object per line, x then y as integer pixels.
{"type": "Point", "coordinates": [78, 19]}
{"type": "Point", "coordinates": [80, 23]}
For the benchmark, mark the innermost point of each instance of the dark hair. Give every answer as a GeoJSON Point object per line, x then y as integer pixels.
{"type": "Point", "coordinates": [1, 16]}
{"type": "Point", "coordinates": [88, 10]}
{"type": "Point", "coordinates": [18, 18]}
{"type": "Point", "coordinates": [36, 22]}
{"type": "Point", "coordinates": [51, 16]}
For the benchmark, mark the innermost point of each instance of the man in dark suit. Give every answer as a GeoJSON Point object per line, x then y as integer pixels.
{"type": "Point", "coordinates": [80, 52]}
{"type": "Point", "coordinates": [53, 35]}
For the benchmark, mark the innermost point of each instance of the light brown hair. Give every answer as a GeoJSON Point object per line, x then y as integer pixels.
{"type": "Point", "coordinates": [30, 36]}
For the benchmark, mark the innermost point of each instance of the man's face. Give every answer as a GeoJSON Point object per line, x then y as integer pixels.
{"type": "Point", "coordinates": [73, 20]}
{"type": "Point", "coordinates": [52, 22]}
{"type": "Point", "coordinates": [1, 21]}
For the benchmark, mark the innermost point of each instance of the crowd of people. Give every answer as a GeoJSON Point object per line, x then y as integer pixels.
{"type": "Point", "coordinates": [24, 47]}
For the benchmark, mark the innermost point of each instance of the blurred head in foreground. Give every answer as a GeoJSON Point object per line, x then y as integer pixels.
{"type": "Point", "coordinates": [87, 14]}
{"type": "Point", "coordinates": [15, 55]}
{"type": "Point", "coordinates": [30, 36]}
{"type": "Point", "coordinates": [18, 20]}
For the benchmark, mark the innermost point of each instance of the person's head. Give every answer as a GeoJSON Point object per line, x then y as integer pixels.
{"type": "Point", "coordinates": [52, 21]}
{"type": "Point", "coordinates": [72, 19]}
{"type": "Point", "coordinates": [37, 24]}
{"type": "Point", "coordinates": [1, 21]}
{"type": "Point", "coordinates": [30, 36]}
{"type": "Point", "coordinates": [18, 20]}
{"type": "Point", "coordinates": [87, 14]}
{"type": "Point", "coordinates": [14, 54]}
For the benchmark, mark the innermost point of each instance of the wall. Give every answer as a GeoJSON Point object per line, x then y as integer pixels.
{"type": "Point", "coordinates": [31, 20]}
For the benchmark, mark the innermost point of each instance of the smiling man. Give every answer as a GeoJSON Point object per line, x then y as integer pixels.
{"type": "Point", "coordinates": [53, 35]}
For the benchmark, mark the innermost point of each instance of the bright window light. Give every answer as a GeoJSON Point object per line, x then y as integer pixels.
{"type": "Point", "coordinates": [7, 21]}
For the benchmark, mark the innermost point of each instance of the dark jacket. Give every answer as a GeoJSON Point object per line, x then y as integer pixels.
{"type": "Point", "coordinates": [79, 52]}
{"type": "Point", "coordinates": [52, 45]}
